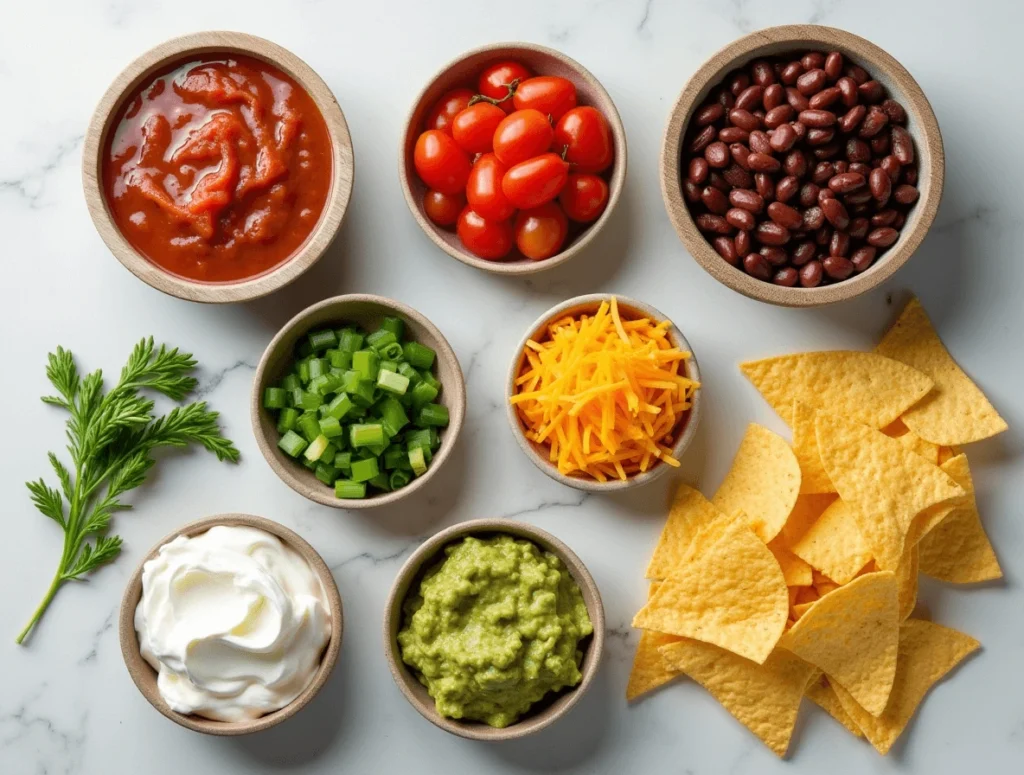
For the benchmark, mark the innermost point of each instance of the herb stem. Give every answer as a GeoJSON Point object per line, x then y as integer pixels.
{"type": "Point", "coordinates": [58, 580]}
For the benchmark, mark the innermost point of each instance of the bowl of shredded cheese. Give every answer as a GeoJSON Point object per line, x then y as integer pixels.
{"type": "Point", "coordinates": [603, 393]}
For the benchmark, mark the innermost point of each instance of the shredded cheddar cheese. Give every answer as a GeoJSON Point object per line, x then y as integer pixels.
{"type": "Point", "coordinates": [604, 394]}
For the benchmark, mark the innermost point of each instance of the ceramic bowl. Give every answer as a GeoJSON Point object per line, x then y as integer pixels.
{"type": "Point", "coordinates": [145, 677]}
{"type": "Point", "coordinates": [686, 429]}
{"type": "Point", "coordinates": [368, 311]}
{"type": "Point", "coordinates": [548, 710]}
{"type": "Point", "coordinates": [463, 71]}
{"type": "Point", "coordinates": [901, 86]}
{"type": "Point", "coordinates": [102, 123]}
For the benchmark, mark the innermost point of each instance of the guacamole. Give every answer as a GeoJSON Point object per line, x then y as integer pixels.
{"type": "Point", "coordinates": [493, 628]}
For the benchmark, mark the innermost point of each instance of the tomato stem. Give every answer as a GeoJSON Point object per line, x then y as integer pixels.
{"type": "Point", "coordinates": [493, 100]}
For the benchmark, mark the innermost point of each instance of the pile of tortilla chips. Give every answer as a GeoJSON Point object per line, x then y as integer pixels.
{"type": "Point", "coordinates": [798, 578]}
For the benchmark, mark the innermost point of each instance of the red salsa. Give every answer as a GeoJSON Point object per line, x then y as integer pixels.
{"type": "Point", "coordinates": [218, 169]}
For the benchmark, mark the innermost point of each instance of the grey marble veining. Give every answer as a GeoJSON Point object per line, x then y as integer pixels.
{"type": "Point", "coordinates": [66, 702]}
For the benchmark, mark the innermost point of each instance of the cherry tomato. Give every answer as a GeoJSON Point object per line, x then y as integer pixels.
{"type": "Point", "coordinates": [588, 137]}
{"type": "Point", "coordinates": [535, 181]}
{"type": "Point", "coordinates": [443, 209]}
{"type": "Point", "coordinates": [551, 95]}
{"type": "Point", "coordinates": [498, 79]}
{"type": "Point", "coordinates": [488, 239]}
{"type": "Point", "coordinates": [440, 163]}
{"type": "Point", "coordinates": [473, 129]}
{"type": "Point", "coordinates": [483, 189]}
{"type": "Point", "coordinates": [541, 231]}
{"type": "Point", "coordinates": [447, 108]}
{"type": "Point", "coordinates": [584, 197]}
{"type": "Point", "coordinates": [522, 135]}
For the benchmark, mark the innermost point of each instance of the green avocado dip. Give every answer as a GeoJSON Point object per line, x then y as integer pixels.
{"type": "Point", "coordinates": [493, 628]}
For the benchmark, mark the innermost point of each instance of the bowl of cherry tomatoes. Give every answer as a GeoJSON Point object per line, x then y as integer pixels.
{"type": "Point", "coordinates": [513, 158]}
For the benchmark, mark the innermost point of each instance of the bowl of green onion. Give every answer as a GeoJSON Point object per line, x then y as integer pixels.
{"type": "Point", "coordinates": [357, 401]}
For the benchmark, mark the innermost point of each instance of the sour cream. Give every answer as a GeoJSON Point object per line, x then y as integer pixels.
{"type": "Point", "coordinates": [233, 621]}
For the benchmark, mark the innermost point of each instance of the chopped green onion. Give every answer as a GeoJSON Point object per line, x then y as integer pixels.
{"type": "Point", "coordinates": [309, 425]}
{"type": "Point", "coordinates": [326, 473]}
{"type": "Point", "coordinates": [303, 369]}
{"type": "Point", "coordinates": [364, 470]}
{"type": "Point", "coordinates": [292, 444]}
{"type": "Point", "coordinates": [433, 414]}
{"type": "Point", "coordinates": [417, 461]}
{"type": "Point", "coordinates": [395, 325]}
{"type": "Point", "coordinates": [393, 382]}
{"type": "Point", "coordinates": [394, 456]}
{"type": "Point", "coordinates": [347, 489]}
{"type": "Point", "coordinates": [306, 400]}
{"type": "Point", "coordinates": [274, 398]}
{"type": "Point", "coordinates": [330, 427]}
{"type": "Point", "coordinates": [388, 366]}
{"type": "Point", "coordinates": [316, 448]}
{"type": "Point", "coordinates": [350, 340]}
{"type": "Point", "coordinates": [393, 352]}
{"type": "Point", "coordinates": [422, 394]}
{"type": "Point", "coordinates": [287, 419]}
{"type": "Point", "coordinates": [381, 481]}
{"type": "Point", "coordinates": [407, 370]}
{"type": "Point", "coordinates": [340, 406]}
{"type": "Point", "coordinates": [366, 363]}
{"type": "Point", "coordinates": [381, 338]}
{"type": "Point", "coordinates": [392, 415]}
{"type": "Point", "coordinates": [365, 435]}
{"type": "Point", "coordinates": [364, 394]}
{"type": "Point", "coordinates": [321, 340]}
{"type": "Point", "coordinates": [291, 382]}
{"type": "Point", "coordinates": [339, 359]}
{"type": "Point", "coordinates": [343, 461]}
{"type": "Point", "coordinates": [399, 479]}
{"type": "Point", "coordinates": [419, 355]}
{"type": "Point", "coordinates": [310, 464]}
{"type": "Point", "coordinates": [317, 367]}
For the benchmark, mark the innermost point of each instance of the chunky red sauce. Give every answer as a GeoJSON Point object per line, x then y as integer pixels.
{"type": "Point", "coordinates": [218, 169]}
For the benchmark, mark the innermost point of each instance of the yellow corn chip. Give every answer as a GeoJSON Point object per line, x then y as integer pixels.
{"type": "Point", "coordinates": [851, 635]}
{"type": "Point", "coordinates": [834, 544]}
{"type": "Point", "coordinates": [806, 595]}
{"type": "Point", "coordinates": [912, 441]}
{"type": "Point", "coordinates": [804, 514]}
{"type": "Point", "coordinates": [821, 694]}
{"type": "Point", "coordinates": [813, 478]}
{"type": "Point", "coordinates": [799, 609]}
{"type": "Point", "coordinates": [948, 453]}
{"type": "Point", "coordinates": [957, 550]}
{"type": "Point", "coordinates": [649, 670]}
{"type": "Point", "coordinates": [795, 571]}
{"type": "Point", "coordinates": [763, 482]}
{"type": "Point", "coordinates": [731, 594]}
{"type": "Point", "coordinates": [955, 411]}
{"type": "Point", "coordinates": [865, 387]}
{"type": "Point", "coordinates": [906, 581]}
{"type": "Point", "coordinates": [690, 514]}
{"type": "Point", "coordinates": [884, 484]}
{"type": "Point", "coordinates": [927, 651]}
{"type": "Point", "coordinates": [764, 698]}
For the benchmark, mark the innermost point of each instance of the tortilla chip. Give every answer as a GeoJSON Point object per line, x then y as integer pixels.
{"type": "Point", "coordinates": [795, 571]}
{"type": "Point", "coordinates": [851, 635]}
{"type": "Point", "coordinates": [813, 478]}
{"type": "Point", "coordinates": [691, 513]}
{"type": "Point", "coordinates": [649, 670]}
{"type": "Point", "coordinates": [799, 609]}
{"type": "Point", "coordinates": [865, 387]}
{"type": "Point", "coordinates": [821, 694]}
{"type": "Point", "coordinates": [957, 550]}
{"type": "Point", "coordinates": [806, 595]}
{"type": "Point", "coordinates": [927, 652]}
{"type": "Point", "coordinates": [906, 581]}
{"type": "Point", "coordinates": [912, 441]}
{"type": "Point", "coordinates": [884, 484]}
{"type": "Point", "coordinates": [955, 411]}
{"type": "Point", "coordinates": [764, 698]}
{"type": "Point", "coordinates": [731, 594]}
{"type": "Point", "coordinates": [763, 482]}
{"type": "Point", "coordinates": [834, 544]}
{"type": "Point", "coordinates": [804, 514]}
{"type": "Point", "coordinates": [948, 453]}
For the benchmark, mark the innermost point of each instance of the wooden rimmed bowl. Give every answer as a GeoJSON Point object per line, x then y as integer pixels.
{"type": "Point", "coordinates": [145, 677]}
{"type": "Point", "coordinates": [367, 311]}
{"type": "Point", "coordinates": [686, 428]}
{"type": "Point", "coordinates": [901, 86]}
{"type": "Point", "coordinates": [549, 709]}
{"type": "Point", "coordinates": [463, 71]}
{"type": "Point", "coordinates": [180, 50]}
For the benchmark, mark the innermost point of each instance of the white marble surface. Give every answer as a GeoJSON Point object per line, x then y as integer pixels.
{"type": "Point", "coordinates": [66, 702]}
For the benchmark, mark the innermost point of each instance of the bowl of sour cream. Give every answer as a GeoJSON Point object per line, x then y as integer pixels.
{"type": "Point", "coordinates": [231, 624]}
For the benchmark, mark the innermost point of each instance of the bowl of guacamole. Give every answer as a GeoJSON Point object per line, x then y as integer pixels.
{"type": "Point", "coordinates": [494, 629]}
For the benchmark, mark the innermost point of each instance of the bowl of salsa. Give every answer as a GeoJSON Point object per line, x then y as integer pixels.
{"type": "Point", "coordinates": [218, 167]}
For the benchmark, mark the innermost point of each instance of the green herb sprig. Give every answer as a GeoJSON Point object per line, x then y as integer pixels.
{"type": "Point", "coordinates": [111, 437]}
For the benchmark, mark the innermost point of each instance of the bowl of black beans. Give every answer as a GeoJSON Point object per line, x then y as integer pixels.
{"type": "Point", "coordinates": [802, 165]}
